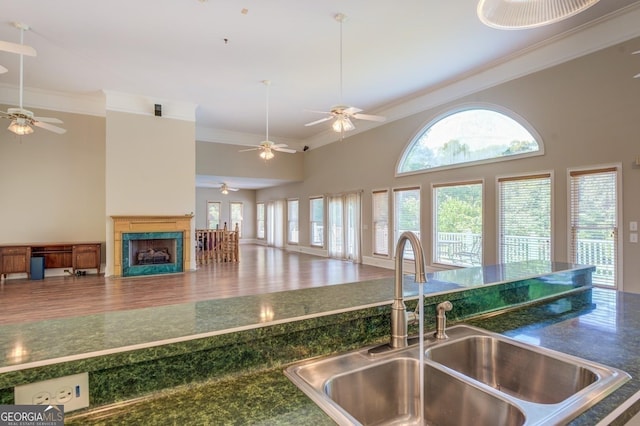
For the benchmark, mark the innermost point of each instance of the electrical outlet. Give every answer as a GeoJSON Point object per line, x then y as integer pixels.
{"type": "Point", "coordinates": [70, 391]}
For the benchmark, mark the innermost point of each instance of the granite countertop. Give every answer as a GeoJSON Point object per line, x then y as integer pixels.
{"type": "Point", "coordinates": [41, 343]}
{"type": "Point", "coordinates": [607, 332]}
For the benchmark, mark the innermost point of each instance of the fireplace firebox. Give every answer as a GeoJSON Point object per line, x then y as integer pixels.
{"type": "Point", "coordinates": [148, 253]}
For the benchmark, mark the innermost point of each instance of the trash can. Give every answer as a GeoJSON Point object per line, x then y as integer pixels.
{"type": "Point", "coordinates": [37, 268]}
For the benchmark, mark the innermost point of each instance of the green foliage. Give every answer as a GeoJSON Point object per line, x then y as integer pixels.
{"type": "Point", "coordinates": [459, 208]}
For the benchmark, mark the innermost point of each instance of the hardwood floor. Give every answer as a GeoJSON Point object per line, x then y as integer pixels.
{"type": "Point", "coordinates": [260, 270]}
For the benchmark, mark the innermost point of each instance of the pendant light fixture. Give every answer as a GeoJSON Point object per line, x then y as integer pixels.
{"type": "Point", "coordinates": [522, 14]}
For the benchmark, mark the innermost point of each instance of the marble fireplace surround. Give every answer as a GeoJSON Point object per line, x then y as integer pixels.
{"type": "Point", "coordinates": [150, 224]}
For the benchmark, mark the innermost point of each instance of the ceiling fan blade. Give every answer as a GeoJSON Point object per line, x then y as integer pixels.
{"type": "Point", "coordinates": [369, 117]}
{"type": "Point", "coordinates": [636, 52]}
{"type": "Point", "coordinates": [20, 49]}
{"type": "Point", "coordinates": [351, 110]}
{"type": "Point", "coordinates": [279, 145]}
{"type": "Point", "coordinates": [322, 120]}
{"type": "Point", "coordinates": [637, 75]}
{"type": "Point", "coordinates": [317, 112]}
{"type": "Point", "coordinates": [49, 127]}
{"type": "Point", "coordinates": [289, 150]}
{"type": "Point", "coordinates": [48, 120]}
{"type": "Point", "coordinates": [3, 69]}
{"type": "Point", "coordinates": [233, 189]}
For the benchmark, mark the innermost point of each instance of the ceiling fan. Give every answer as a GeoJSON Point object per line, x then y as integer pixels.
{"type": "Point", "coordinates": [266, 146]}
{"type": "Point", "coordinates": [343, 114]}
{"type": "Point", "coordinates": [224, 188]}
{"type": "Point", "coordinates": [22, 119]}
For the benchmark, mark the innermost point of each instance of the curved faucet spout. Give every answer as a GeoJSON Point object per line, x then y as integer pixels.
{"type": "Point", "coordinates": [399, 321]}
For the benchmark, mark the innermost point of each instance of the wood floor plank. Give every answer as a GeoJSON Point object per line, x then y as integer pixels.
{"type": "Point", "coordinates": [260, 270]}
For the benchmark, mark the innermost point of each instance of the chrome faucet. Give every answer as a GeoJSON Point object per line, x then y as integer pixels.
{"type": "Point", "coordinates": [400, 318]}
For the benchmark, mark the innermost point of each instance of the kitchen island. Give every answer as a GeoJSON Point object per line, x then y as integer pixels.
{"type": "Point", "coordinates": [221, 362]}
{"type": "Point", "coordinates": [608, 332]}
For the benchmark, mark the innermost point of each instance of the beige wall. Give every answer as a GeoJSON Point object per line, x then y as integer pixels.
{"type": "Point", "coordinates": [52, 187]}
{"type": "Point", "coordinates": [150, 169]}
{"type": "Point", "coordinates": [587, 113]}
{"type": "Point", "coordinates": [225, 160]}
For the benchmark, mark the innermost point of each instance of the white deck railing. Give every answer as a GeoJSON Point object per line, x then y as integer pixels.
{"type": "Point", "coordinates": [464, 249]}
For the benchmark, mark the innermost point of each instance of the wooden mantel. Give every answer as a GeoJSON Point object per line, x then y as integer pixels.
{"type": "Point", "coordinates": [129, 224]}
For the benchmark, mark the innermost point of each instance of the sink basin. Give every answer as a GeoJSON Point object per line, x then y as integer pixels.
{"type": "Point", "coordinates": [473, 377]}
{"type": "Point", "coordinates": [520, 371]}
{"type": "Point", "coordinates": [389, 393]}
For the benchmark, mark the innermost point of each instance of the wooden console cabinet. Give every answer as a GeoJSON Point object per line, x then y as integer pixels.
{"type": "Point", "coordinates": [16, 258]}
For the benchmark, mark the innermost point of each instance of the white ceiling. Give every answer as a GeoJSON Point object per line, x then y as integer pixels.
{"type": "Point", "coordinates": [399, 57]}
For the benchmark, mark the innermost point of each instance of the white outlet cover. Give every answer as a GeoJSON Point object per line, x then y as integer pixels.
{"type": "Point", "coordinates": [70, 391]}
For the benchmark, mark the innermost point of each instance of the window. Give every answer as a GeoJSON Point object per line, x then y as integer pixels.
{"type": "Point", "coordinates": [260, 220]}
{"type": "Point", "coordinates": [213, 214]}
{"type": "Point", "coordinates": [524, 216]}
{"type": "Point", "coordinates": [275, 223]}
{"type": "Point", "coordinates": [470, 135]}
{"type": "Point", "coordinates": [343, 236]}
{"type": "Point", "coordinates": [236, 217]}
{"type": "Point", "coordinates": [457, 218]}
{"type": "Point", "coordinates": [380, 212]}
{"type": "Point", "coordinates": [406, 204]}
{"type": "Point", "coordinates": [594, 222]}
{"type": "Point", "coordinates": [316, 206]}
{"type": "Point", "coordinates": [292, 219]}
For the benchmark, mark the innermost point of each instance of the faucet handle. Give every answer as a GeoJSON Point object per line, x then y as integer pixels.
{"type": "Point", "coordinates": [441, 319]}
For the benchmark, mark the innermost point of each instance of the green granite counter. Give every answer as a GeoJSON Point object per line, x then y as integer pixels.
{"type": "Point", "coordinates": [606, 332]}
{"type": "Point", "coordinates": [29, 345]}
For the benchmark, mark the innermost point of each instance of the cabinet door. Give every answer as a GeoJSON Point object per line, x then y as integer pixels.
{"type": "Point", "coordinates": [86, 257]}
{"type": "Point", "coordinates": [15, 259]}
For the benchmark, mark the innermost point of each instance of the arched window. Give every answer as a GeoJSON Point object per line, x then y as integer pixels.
{"type": "Point", "coordinates": [473, 134]}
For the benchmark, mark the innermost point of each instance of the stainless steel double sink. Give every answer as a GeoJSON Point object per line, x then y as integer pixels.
{"type": "Point", "coordinates": [474, 377]}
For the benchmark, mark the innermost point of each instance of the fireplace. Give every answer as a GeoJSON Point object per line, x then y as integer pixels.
{"type": "Point", "coordinates": [149, 245]}
{"type": "Point", "coordinates": [149, 253]}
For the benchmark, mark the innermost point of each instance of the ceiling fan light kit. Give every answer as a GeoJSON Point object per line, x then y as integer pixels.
{"type": "Point", "coordinates": [342, 124]}
{"type": "Point", "coordinates": [267, 154]}
{"type": "Point", "coordinates": [522, 14]}
{"type": "Point", "coordinates": [20, 127]}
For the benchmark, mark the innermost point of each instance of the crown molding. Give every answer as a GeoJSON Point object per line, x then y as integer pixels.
{"type": "Point", "coordinates": [88, 104]}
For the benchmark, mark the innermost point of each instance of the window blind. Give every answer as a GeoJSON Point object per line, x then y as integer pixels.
{"type": "Point", "coordinates": [380, 213]}
{"type": "Point", "coordinates": [594, 225]}
{"type": "Point", "coordinates": [524, 215]}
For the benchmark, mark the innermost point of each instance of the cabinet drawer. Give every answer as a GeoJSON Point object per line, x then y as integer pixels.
{"type": "Point", "coordinates": [14, 250]}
